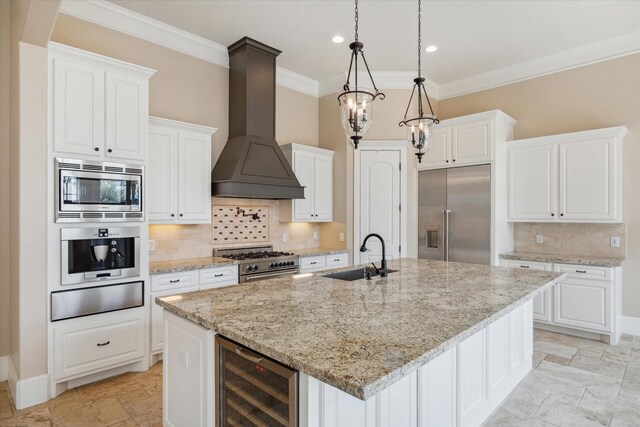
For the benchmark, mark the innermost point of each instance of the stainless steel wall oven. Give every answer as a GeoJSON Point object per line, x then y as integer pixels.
{"type": "Point", "coordinates": [96, 191]}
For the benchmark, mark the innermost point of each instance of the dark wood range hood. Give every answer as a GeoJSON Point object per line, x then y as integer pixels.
{"type": "Point", "coordinates": [252, 164]}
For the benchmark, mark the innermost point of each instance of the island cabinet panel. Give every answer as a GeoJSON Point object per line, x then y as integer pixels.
{"type": "Point", "coordinates": [437, 391]}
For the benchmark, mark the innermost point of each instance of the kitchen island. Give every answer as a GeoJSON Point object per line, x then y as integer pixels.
{"type": "Point", "coordinates": [434, 343]}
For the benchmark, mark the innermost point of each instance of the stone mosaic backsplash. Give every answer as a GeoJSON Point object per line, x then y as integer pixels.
{"type": "Point", "coordinates": [571, 239]}
{"type": "Point", "coordinates": [241, 224]}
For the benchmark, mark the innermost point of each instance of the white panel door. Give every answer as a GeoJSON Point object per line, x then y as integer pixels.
{"type": "Point", "coordinates": [162, 175]}
{"type": "Point", "coordinates": [323, 187]}
{"type": "Point", "coordinates": [542, 301]}
{"type": "Point", "coordinates": [471, 144]}
{"type": "Point", "coordinates": [127, 114]}
{"type": "Point", "coordinates": [437, 391]}
{"type": "Point", "coordinates": [587, 180]}
{"type": "Point", "coordinates": [498, 357]}
{"type": "Point", "coordinates": [194, 178]}
{"type": "Point", "coordinates": [439, 154]}
{"type": "Point", "coordinates": [78, 108]}
{"type": "Point", "coordinates": [303, 169]}
{"type": "Point", "coordinates": [584, 304]}
{"type": "Point", "coordinates": [471, 379]}
{"type": "Point", "coordinates": [398, 403]}
{"type": "Point", "coordinates": [380, 202]}
{"type": "Point", "coordinates": [532, 183]}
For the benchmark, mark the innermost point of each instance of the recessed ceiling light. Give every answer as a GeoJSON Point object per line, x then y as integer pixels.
{"type": "Point", "coordinates": [432, 48]}
{"type": "Point", "coordinates": [337, 39]}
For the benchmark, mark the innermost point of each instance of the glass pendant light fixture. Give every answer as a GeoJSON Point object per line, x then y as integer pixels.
{"type": "Point", "coordinates": [355, 102]}
{"type": "Point", "coordinates": [419, 128]}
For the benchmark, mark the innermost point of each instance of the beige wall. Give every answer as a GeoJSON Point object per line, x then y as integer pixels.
{"type": "Point", "coordinates": [596, 96]}
{"type": "Point", "coordinates": [296, 117]}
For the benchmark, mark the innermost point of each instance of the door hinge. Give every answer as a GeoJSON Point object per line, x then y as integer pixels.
{"type": "Point", "coordinates": [399, 166]}
{"type": "Point", "coordinates": [399, 249]}
{"type": "Point", "coordinates": [400, 208]}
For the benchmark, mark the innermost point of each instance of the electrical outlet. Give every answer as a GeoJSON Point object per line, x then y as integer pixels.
{"type": "Point", "coordinates": [341, 237]}
{"type": "Point", "coordinates": [539, 238]}
{"type": "Point", "coordinates": [285, 237]}
{"type": "Point", "coordinates": [152, 245]}
{"type": "Point", "coordinates": [315, 235]}
{"type": "Point", "coordinates": [183, 358]}
{"type": "Point", "coordinates": [615, 242]}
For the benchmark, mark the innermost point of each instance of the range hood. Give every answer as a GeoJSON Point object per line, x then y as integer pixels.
{"type": "Point", "coordinates": [252, 164]}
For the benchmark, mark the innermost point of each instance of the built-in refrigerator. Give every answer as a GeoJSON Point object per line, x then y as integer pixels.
{"type": "Point", "coordinates": [454, 214]}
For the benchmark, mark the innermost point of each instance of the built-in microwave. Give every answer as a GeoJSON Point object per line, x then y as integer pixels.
{"type": "Point", "coordinates": [88, 191]}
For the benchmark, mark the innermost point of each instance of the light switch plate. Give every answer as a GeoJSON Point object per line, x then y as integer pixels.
{"type": "Point", "coordinates": [285, 237]}
{"type": "Point", "coordinates": [539, 238]}
{"type": "Point", "coordinates": [152, 245]}
{"type": "Point", "coordinates": [615, 242]}
{"type": "Point", "coordinates": [341, 237]}
{"type": "Point", "coordinates": [315, 235]}
{"type": "Point", "coordinates": [183, 358]}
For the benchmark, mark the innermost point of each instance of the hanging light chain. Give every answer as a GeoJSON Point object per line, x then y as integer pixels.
{"type": "Point", "coordinates": [419, 39]}
{"type": "Point", "coordinates": [356, 19]}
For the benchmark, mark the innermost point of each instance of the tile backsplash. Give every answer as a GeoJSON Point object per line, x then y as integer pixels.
{"type": "Point", "coordinates": [193, 241]}
{"type": "Point", "coordinates": [571, 239]}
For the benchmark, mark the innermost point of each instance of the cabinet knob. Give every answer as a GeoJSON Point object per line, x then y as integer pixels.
{"type": "Point", "coordinates": [454, 160]}
{"type": "Point", "coordinates": [561, 214]}
{"type": "Point", "coordinates": [553, 214]}
{"type": "Point", "coordinates": [181, 215]}
{"type": "Point", "coordinates": [447, 161]}
{"type": "Point", "coordinates": [96, 149]}
{"type": "Point", "coordinates": [109, 150]}
{"type": "Point", "coordinates": [172, 215]}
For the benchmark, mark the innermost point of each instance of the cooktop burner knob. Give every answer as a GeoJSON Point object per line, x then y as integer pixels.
{"type": "Point", "coordinates": [255, 267]}
{"type": "Point", "coordinates": [249, 268]}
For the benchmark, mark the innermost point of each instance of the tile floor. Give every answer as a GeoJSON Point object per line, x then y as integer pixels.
{"type": "Point", "coordinates": [575, 382]}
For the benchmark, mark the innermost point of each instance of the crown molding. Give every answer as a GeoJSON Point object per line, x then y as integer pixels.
{"type": "Point", "coordinates": [181, 126]}
{"type": "Point", "coordinates": [297, 82]}
{"type": "Point", "coordinates": [384, 80]}
{"type": "Point", "coordinates": [604, 50]}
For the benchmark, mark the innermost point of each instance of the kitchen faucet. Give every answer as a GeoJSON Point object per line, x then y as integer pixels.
{"type": "Point", "coordinates": [383, 264]}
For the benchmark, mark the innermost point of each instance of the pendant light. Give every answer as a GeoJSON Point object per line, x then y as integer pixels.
{"type": "Point", "coordinates": [419, 128]}
{"type": "Point", "coordinates": [355, 102]}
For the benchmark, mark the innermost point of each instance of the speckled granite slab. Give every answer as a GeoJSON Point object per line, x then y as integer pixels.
{"type": "Point", "coordinates": [361, 336]}
{"type": "Point", "coordinates": [597, 261]}
{"type": "Point", "coordinates": [176, 266]}
{"type": "Point", "coordinates": [318, 252]}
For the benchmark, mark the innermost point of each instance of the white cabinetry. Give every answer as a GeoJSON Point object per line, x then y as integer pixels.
{"type": "Point", "coordinates": [314, 169]}
{"type": "Point", "coordinates": [574, 177]}
{"type": "Point", "coordinates": [542, 301]}
{"type": "Point", "coordinates": [309, 264]}
{"type": "Point", "coordinates": [179, 172]}
{"type": "Point", "coordinates": [177, 283]}
{"type": "Point", "coordinates": [100, 106]}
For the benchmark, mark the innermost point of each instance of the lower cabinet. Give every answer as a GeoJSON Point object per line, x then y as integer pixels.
{"type": "Point", "coordinates": [588, 299]}
{"type": "Point", "coordinates": [310, 264]}
{"type": "Point", "coordinates": [83, 346]}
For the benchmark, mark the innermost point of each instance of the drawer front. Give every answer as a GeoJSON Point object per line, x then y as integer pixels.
{"type": "Point", "coordinates": [81, 346]}
{"type": "Point", "coordinates": [584, 272]}
{"type": "Point", "coordinates": [584, 304]}
{"type": "Point", "coordinates": [219, 276]}
{"type": "Point", "coordinates": [177, 281]}
{"type": "Point", "coordinates": [314, 263]}
{"type": "Point", "coordinates": [531, 265]}
{"type": "Point", "coordinates": [337, 260]}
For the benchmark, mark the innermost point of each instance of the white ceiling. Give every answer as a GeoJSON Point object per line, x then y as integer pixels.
{"type": "Point", "coordinates": [474, 37]}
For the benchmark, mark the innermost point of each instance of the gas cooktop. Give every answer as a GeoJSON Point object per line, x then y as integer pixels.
{"type": "Point", "coordinates": [260, 261]}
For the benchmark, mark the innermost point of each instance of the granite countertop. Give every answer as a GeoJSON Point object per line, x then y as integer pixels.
{"type": "Point", "coordinates": [318, 252]}
{"type": "Point", "coordinates": [598, 261]}
{"type": "Point", "coordinates": [176, 266]}
{"type": "Point", "coordinates": [361, 336]}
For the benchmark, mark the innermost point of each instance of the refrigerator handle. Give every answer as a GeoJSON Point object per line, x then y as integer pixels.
{"type": "Point", "coordinates": [445, 227]}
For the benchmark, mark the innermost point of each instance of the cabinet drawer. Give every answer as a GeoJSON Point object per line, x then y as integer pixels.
{"type": "Point", "coordinates": [162, 282]}
{"type": "Point", "coordinates": [313, 263]}
{"type": "Point", "coordinates": [336, 260]}
{"type": "Point", "coordinates": [584, 272]}
{"type": "Point", "coordinates": [531, 265]}
{"type": "Point", "coordinates": [584, 304]}
{"type": "Point", "coordinates": [219, 276]}
{"type": "Point", "coordinates": [82, 346]}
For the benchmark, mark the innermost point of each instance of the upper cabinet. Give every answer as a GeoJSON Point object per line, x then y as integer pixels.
{"type": "Point", "coordinates": [467, 140]}
{"type": "Point", "coordinates": [314, 169]}
{"type": "Point", "coordinates": [573, 177]}
{"type": "Point", "coordinates": [100, 106]}
{"type": "Point", "coordinates": [179, 172]}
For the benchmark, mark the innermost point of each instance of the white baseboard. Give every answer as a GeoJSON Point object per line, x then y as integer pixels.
{"type": "Point", "coordinates": [27, 392]}
{"type": "Point", "coordinates": [4, 368]}
{"type": "Point", "coordinates": [631, 325]}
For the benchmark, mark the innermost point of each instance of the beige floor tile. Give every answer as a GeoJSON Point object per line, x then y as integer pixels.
{"type": "Point", "coordinates": [557, 359]}
{"type": "Point", "coordinates": [547, 336]}
{"type": "Point", "coordinates": [147, 412]}
{"type": "Point", "coordinates": [613, 369]}
{"type": "Point", "coordinates": [538, 357]}
{"type": "Point", "coordinates": [96, 413]}
{"type": "Point", "coordinates": [569, 415]}
{"type": "Point", "coordinates": [555, 349]}
{"type": "Point", "coordinates": [152, 384]}
{"type": "Point", "coordinates": [121, 384]}
{"type": "Point", "coordinates": [6, 407]}
{"type": "Point", "coordinates": [38, 417]}
{"type": "Point", "coordinates": [583, 343]}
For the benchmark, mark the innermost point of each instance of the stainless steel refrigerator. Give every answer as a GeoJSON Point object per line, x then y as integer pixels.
{"type": "Point", "coordinates": [454, 214]}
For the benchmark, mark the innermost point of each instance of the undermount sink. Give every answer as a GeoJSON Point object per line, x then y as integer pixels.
{"type": "Point", "coordinates": [357, 274]}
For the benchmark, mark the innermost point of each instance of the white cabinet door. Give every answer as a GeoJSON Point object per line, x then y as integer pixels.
{"type": "Point", "coordinates": [323, 187]}
{"type": "Point", "coordinates": [587, 187]}
{"type": "Point", "coordinates": [542, 301]}
{"type": "Point", "coordinates": [471, 144]}
{"type": "Point", "coordinates": [439, 154]}
{"type": "Point", "coordinates": [194, 178]}
{"type": "Point", "coordinates": [532, 183]}
{"type": "Point", "coordinates": [127, 113]}
{"type": "Point", "coordinates": [78, 108]}
{"type": "Point", "coordinates": [585, 304]}
{"type": "Point", "coordinates": [162, 175]}
{"type": "Point", "coordinates": [303, 164]}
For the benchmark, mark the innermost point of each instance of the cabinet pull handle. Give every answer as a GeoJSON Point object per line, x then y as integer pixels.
{"type": "Point", "coordinates": [248, 355]}
{"type": "Point", "coordinates": [109, 150]}
{"type": "Point", "coordinates": [96, 149]}
{"type": "Point", "coordinates": [524, 266]}
{"type": "Point", "coordinates": [102, 344]}
{"type": "Point", "coordinates": [313, 262]}
{"type": "Point", "coordinates": [336, 259]}
{"type": "Point", "coordinates": [581, 271]}
{"type": "Point", "coordinates": [174, 281]}
{"type": "Point", "coordinates": [218, 275]}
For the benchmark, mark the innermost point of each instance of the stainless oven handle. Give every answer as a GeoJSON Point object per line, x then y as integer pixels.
{"type": "Point", "coordinates": [275, 273]}
{"type": "Point", "coordinates": [248, 355]}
